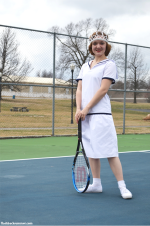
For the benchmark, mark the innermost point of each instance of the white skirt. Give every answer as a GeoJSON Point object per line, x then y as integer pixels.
{"type": "Point", "coordinates": [99, 136]}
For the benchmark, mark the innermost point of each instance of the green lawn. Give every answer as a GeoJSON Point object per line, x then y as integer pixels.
{"type": "Point", "coordinates": [61, 146]}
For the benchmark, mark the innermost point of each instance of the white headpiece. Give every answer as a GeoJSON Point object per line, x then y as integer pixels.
{"type": "Point", "coordinates": [98, 36]}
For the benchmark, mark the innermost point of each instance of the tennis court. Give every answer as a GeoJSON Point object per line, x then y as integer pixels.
{"type": "Point", "coordinates": [36, 184]}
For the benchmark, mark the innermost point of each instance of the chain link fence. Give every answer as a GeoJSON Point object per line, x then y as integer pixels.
{"type": "Point", "coordinates": [37, 86]}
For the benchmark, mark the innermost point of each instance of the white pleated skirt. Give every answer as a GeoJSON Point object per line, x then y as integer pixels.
{"type": "Point", "coordinates": [99, 136]}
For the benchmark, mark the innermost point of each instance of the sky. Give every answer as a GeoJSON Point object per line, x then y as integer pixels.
{"type": "Point", "coordinates": [129, 18]}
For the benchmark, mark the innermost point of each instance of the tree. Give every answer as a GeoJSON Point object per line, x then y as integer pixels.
{"type": "Point", "coordinates": [75, 50]}
{"type": "Point", "coordinates": [44, 74]}
{"type": "Point", "coordinates": [14, 69]}
{"type": "Point", "coordinates": [118, 85]}
{"type": "Point", "coordinates": [148, 83]}
{"type": "Point", "coordinates": [118, 56]}
{"type": "Point", "coordinates": [137, 70]}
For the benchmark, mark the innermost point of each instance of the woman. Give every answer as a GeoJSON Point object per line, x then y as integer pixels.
{"type": "Point", "coordinates": [94, 108]}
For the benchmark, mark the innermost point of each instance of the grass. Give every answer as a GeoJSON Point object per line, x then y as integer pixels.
{"type": "Point", "coordinates": [131, 130]}
{"type": "Point", "coordinates": [40, 116]}
{"type": "Point", "coordinates": [62, 146]}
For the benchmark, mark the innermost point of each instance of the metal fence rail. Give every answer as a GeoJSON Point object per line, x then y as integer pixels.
{"type": "Point", "coordinates": [60, 91]}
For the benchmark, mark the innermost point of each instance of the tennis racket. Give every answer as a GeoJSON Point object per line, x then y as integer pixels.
{"type": "Point", "coordinates": [81, 167]}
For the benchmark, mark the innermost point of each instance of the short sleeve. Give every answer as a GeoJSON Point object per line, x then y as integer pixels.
{"type": "Point", "coordinates": [80, 74]}
{"type": "Point", "coordinates": [110, 71]}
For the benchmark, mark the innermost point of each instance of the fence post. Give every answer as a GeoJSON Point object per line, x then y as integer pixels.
{"type": "Point", "coordinates": [53, 109]}
{"type": "Point", "coordinates": [125, 74]}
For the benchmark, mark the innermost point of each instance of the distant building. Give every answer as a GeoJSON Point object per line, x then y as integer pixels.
{"type": "Point", "coordinates": [35, 88]}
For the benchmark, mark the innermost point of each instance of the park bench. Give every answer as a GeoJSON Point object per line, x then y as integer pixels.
{"type": "Point", "coordinates": [22, 109]}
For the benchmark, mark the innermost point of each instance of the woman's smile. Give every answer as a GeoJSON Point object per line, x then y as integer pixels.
{"type": "Point", "coordinates": [98, 50]}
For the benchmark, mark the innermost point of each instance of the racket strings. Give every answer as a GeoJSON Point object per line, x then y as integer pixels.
{"type": "Point", "coordinates": [80, 171]}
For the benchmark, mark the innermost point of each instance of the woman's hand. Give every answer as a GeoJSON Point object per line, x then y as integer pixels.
{"type": "Point", "coordinates": [84, 112]}
{"type": "Point", "coordinates": [81, 114]}
{"type": "Point", "coordinates": [77, 115]}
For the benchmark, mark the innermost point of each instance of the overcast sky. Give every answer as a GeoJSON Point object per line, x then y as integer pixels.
{"type": "Point", "coordinates": [130, 18]}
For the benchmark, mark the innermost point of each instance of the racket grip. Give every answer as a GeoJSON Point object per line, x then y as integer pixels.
{"type": "Point", "coordinates": [79, 130]}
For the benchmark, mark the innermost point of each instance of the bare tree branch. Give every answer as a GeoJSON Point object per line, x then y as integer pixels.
{"type": "Point", "coordinates": [14, 69]}
{"type": "Point", "coordinates": [73, 49]}
{"type": "Point", "coordinates": [137, 70]}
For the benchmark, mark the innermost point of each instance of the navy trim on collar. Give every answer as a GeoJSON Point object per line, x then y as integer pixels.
{"type": "Point", "coordinates": [103, 61]}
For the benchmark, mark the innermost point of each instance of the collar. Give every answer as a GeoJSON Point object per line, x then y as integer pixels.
{"type": "Point", "coordinates": [101, 62]}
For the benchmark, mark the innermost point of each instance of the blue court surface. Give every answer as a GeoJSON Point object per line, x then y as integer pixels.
{"type": "Point", "coordinates": [41, 192]}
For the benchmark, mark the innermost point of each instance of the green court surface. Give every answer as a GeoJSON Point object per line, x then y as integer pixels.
{"type": "Point", "coordinates": [62, 146]}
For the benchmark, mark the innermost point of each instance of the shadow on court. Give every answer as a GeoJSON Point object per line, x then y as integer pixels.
{"type": "Point", "coordinates": [41, 192]}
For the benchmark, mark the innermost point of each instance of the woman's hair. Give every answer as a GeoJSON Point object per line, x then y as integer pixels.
{"type": "Point", "coordinates": [108, 46]}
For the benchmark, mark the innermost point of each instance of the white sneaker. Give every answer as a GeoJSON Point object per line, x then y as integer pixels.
{"type": "Point", "coordinates": [94, 189]}
{"type": "Point", "coordinates": [125, 193]}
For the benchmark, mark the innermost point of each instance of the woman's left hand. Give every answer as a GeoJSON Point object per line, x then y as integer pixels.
{"type": "Point", "coordinates": [84, 112]}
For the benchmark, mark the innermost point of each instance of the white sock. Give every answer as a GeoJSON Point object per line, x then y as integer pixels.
{"type": "Point", "coordinates": [96, 186]}
{"type": "Point", "coordinates": [121, 184]}
{"type": "Point", "coordinates": [96, 182]}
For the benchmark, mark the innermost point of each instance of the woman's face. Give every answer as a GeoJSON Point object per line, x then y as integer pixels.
{"type": "Point", "coordinates": [99, 47]}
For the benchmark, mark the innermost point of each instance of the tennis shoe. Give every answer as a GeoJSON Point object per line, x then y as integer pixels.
{"type": "Point", "coordinates": [94, 189]}
{"type": "Point", "coordinates": [125, 193]}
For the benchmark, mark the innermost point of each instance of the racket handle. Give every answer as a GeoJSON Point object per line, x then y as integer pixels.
{"type": "Point", "coordinates": [79, 130]}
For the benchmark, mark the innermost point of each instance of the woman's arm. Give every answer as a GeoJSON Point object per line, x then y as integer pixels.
{"type": "Point", "coordinates": [78, 101]}
{"type": "Point", "coordinates": [97, 97]}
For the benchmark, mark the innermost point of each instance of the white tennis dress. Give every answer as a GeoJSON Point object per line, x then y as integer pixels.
{"type": "Point", "coordinates": [98, 130]}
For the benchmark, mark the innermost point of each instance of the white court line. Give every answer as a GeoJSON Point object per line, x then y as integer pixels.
{"type": "Point", "coordinates": [146, 151]}
{"type": "Point", "coordinates": [36, 158]}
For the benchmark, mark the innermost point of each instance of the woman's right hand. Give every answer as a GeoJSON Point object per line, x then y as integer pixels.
{"type": "Point", "coordinates": [77, 115]}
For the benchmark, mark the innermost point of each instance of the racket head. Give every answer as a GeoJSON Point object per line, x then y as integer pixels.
{"type": "Point", "coordinates": [80, 170]}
